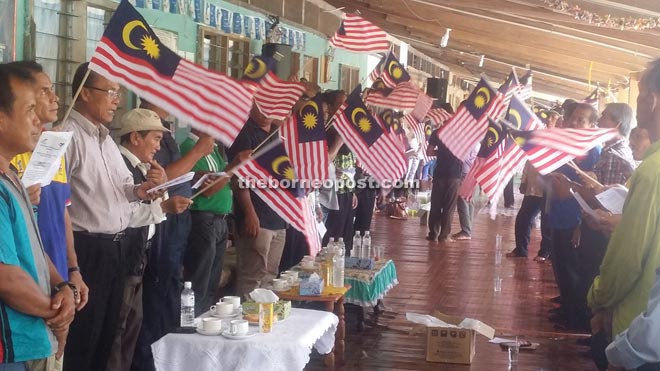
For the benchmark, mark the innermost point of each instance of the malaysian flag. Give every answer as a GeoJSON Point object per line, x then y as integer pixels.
{"type": "Point", "coordinates": [305, 141]}
{"type": "Point", "coordinates": [422, 106]}
{"type": "Point", "coordinates": [131, 54]}
{"type": "Point", "coordinates": [358, 35]}
{"type": "Point", "coordinates": [499, 166]}
{"type": "Point", "coordinates": [468, 126]}
{"type": "Point", "coordinates": [375, 74]}
{"type": "Point", "coordinates": [525, 89]}
{"type": "Point", "coordinates": [274, 97]}
{"type": "Point", "coordinates": [549, 149]}
{"type": "Point", "coordinates": [419, 132]}
{"type": "Point", "coordinates": [439, 116]}
{"type": "Point", "coordinates": [510, 86]}
{"type": "Point", "coordinates": [379, 153]}
{"type": "Point", "coordinates": [393, 73]}
{"type": "Point", "coordinates": [404, 97]}
{"type": "Point", "coordinates": [392, 124]}
{"type": "Point", "coordinates": [272, 166]}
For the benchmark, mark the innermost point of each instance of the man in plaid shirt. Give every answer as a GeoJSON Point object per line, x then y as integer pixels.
{"type": "Point", "coordinates": [616, 163]}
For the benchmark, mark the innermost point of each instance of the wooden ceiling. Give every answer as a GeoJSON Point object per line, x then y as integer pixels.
{"type": "Point", "coordinates": [559, 48]}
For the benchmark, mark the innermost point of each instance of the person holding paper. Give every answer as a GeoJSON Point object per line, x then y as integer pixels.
{"type": "Point", "coordinates": [204, 256]}
{"type": "Point", "coordinates": [140, 133]}
{"type": "Point", "coordinates": [36, 304]}
{"type": "Point", "coordinates": [621, 291]}
{"type": "Point", "coordinates": [52, 200]}
{"type": "Point", "coordinates": [104, 200]}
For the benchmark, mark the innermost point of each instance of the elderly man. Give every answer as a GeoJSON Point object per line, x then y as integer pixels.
{"type": "Point", "coordinates": [628, 270]}
{"type": "Point", "coordinates": [52, 200]}
{"type": "Point", "coordinates": [35, 303]}
{"type": "Point", "coordinates": [140, 134]}
{"type": "Point", "coordinates": [103, 197]}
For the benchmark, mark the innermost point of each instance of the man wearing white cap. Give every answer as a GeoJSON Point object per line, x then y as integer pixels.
{"type": "Point", "coordinates": [140, 134]}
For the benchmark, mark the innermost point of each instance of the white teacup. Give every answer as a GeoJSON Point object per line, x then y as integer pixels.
{"type": "Point", "coordinates": [222, 309]}
{"type": "Point", "coordinates": [293, 274]}
{"type": "Point", "coordinates": [238, 327]}
{"type": "Point", "coordinates": [307, 264]}
{"type": "Point", "coordinates": [308, 257]}
{"type": "Point", "coordinates": [279, 283]}
{"type": "Point", "coordinates": [211, 324]}
{"type": "Point", "coordinates": [235, 300]}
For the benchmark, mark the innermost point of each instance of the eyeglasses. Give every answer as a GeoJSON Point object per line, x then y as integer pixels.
{"type": "Point", "coordinates": [113, 94]}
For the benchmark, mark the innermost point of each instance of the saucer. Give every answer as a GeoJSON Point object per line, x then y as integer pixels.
{"type": "Point", "coordinates": [228, 335]}
{"type": "Point", "coordinates": [227, 316]}
{"type": "Point", "coordinates": [201, 331]}
{"type": "Point", "coordinates": [285, 288]}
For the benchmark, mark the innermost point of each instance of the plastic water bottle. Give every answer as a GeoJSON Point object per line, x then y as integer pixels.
{"type": "Point", "coordinates": [338, 266]}
{"type": "Point", "coordinates": [329, 263]}
{"type": "Point", "coordinates": [187, 305]}
{"type": "Point", "coordinates": [366, 245]}
{"type": "Point", "coordinates": [357, 245]}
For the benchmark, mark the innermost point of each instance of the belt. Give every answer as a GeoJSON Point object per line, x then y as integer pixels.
{"type": "Point", "coordinates": [103, 236]}
{"type": "Point", "coordinates": [215, 215]}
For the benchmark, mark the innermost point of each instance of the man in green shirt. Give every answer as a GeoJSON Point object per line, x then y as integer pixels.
{"type": "Point", "coordinates": [203, 259]}
{"type": "Point", "coordinates": [628, 270]}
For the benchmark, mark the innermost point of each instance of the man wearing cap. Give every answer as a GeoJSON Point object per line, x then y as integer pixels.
{"type": "Point", "coordinates": [103, 201]}
{"type": "Point", "coordinates": [140, 134]}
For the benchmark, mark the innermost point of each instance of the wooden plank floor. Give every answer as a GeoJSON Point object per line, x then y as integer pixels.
{"type": "Point", "coordinates": [457, 278]}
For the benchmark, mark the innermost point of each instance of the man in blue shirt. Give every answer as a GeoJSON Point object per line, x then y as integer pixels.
{"type": "Point", "coordinates": [29, 316]}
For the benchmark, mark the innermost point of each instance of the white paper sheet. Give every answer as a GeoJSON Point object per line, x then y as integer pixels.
{"type": "Point", "coordinates": [46, 158]}
{"type": "Point", "coordinates": [176, 181]}
{"type": "Point", "coordinates": [205, 177]}
{"type": "Point", "coordinates": [613, 199]}
{"type": "Point", "coordinates": [584, 205]}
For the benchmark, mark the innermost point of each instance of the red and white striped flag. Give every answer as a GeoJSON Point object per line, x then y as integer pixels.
{"type": "Point", "coordinates": [404, 97]}
{"type": "Point", "coordinates": [212, 102]}
{"type": "Point", "coordinates": [418, 130]}
{"type": "Point", "coordinates": [468, 126]}
{"type": "Point", "coordinates": [358, 35]}
{"type": "Point", "coordinates": [274, 96]}
{"type": "Point", "coordinates": [271, 166]}
{"type": "Point", "coordinates": [305, 141]}
{"type": "Point", "coordinates": [378, 151]}
{"type": "Point", "coordinates": [376, 72]}
{"type": "Point", "coordinates": [439, 116]}
{"type": "Point", "coordinates": [510, 86]}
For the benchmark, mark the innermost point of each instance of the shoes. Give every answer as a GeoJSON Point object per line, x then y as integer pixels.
{"type": "Point", "coordinates": [429, 238]}
{"type": "Point", "coordinates": [445, 239]}
{"type": "Point", "coordinates": [514, 254]}
{"type": "Point", "coordinates": [461, 236]}
{"type": "Point", "coordinates": [540, 259]}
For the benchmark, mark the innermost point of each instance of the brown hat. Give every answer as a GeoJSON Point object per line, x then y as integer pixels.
{"type": "Point", "coordinates": [139, 119]}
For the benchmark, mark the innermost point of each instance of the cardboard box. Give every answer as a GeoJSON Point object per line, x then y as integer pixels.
{"type": "Point", "coordinates": [452, 344]}
{"type": "Point", "coordinates": [282, 308]}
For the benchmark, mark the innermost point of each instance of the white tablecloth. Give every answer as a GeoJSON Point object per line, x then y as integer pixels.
{"type": "Point", "coordinates": [286, 348]}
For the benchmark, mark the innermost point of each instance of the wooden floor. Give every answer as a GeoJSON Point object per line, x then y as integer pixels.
{"type": "Point", "coordinates": [457, 279]}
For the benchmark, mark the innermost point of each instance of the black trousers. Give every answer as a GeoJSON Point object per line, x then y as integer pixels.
{"type": "Point", "coordinates": [565, 267]}
{"type": "Point", "coordinates": [590, 254]}
{"type": "Point", "coordinates": [530, 208]}
{"type": "Point", "coordinates": [339, 223]}
{"type": "Point", "coordinates": [508, 194]}
{"type": "Point", "coordinates": [161, 295]}
{"type": "Point", "coordinates": [295, 247]}
{"type": "Point", "coordinates": [364, 211]}
{"type": "Point", "coordinates": [443, 204]}
{"type": "Point", "coordinates": [204, 257]}
{"type": "Point", "coordinates": [92, 332]}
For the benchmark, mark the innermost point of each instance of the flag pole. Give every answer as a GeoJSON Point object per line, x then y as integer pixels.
{"type": "Point", "coordinates": [75, 96]}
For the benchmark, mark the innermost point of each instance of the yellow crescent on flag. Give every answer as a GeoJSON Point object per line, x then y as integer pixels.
{"type": "Point", "coordinates": [309, 118]}
{"type": "Point", "coordinates": [288, 170]}
{"type": "Point", "coordinates": [394, 69]}
{"type": "Point", "coordinates": [126, 33]}
{"type": "Point", "coordinates": [256, 69]}
{"type": "Point", "coordinates": [482, 98]}
{"type": "Point", "coordinates": [516, 115]}
{"type": "Point", "coordinates": [492, 141]}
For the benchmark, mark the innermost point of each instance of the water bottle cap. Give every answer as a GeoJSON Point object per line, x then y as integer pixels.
{"type": "Point", "coordinates": [341, 239]}
{"type": "Point", "coordinates": [187, 285]}
{"type": "Point", "coordinates": [366, 233]}
{"type": "Point", "coordinates": [332, 239]}
{"type": "Point", "coordinates": [357, 233]}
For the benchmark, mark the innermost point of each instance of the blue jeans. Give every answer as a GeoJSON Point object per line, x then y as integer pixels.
{"type": "Point", "coordinates": [19, 366]}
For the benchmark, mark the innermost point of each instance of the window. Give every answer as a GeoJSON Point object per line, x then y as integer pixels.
{"type": "Point", "coordinates": [226, 54]}
{"type": "Point", "coordinates": [295, 65]}
{"type": "Point", "coordinates": [311, 69]}
{"type": "Point", "coordinates": [7, 35]}
{"type": "Point", "coordinates": [349, 77]}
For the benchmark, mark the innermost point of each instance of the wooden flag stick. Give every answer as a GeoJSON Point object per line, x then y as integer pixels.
{"type": "Point", "coordinates": [583, 174]}
{"type": "Point", "coordinates": [75, 96]}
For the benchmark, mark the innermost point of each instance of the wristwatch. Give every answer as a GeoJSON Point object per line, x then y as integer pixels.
{"type": "Point", "coordinates": [57, 288]}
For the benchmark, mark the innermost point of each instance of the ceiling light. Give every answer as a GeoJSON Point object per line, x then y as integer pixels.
{"type": "Point", "coordinates": [481, 60]}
